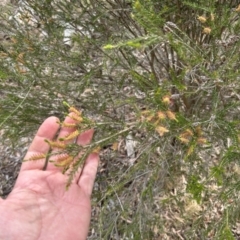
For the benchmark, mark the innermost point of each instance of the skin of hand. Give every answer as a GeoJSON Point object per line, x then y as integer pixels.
{"type": "Point", "coordinates": [39, 207]}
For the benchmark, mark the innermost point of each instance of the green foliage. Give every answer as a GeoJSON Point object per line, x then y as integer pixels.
{"type": "Point", "coordinates": [225, 231]}
{"type": "Point", "coordinates": [164, 74]}
{"type": "Point", "coordinates": [195, 188]}
{"type": "Point", "coordinates": [226, 234]}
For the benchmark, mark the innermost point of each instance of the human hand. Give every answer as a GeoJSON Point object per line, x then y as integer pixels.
{"type": "Point", "coordinates": [39, 207]}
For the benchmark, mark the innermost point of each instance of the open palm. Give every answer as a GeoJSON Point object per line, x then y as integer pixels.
{"type": "Point", "coordinates": [39, 207]}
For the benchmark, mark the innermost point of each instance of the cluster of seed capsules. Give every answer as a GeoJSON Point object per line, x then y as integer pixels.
{"type": "Point", "coordinates": [64, 150]}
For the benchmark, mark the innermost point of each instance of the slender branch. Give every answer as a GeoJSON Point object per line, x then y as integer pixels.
{"type": "Point", "coordinates": [16, 109]}
{"type": "Point", "coordinates": [114, 135]}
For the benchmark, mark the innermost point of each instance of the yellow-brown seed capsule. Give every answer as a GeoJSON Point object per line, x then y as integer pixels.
{"type": "Point", "coordinates": [36, 157]}
{"type": "Point", "coordinates": [60, 157]}
{"type": "Point", "coordinates": [74, 110]}
{"type": "Point", "coordinates": [114, 146]}
{"type": "Point", "coordinates": [20, 58]}
{"type": "Point", "coordinates": [212, 17]}
{"type": "Point", "coordinates": [161, 115]}
{"type": "Point", "coordinates": [207, 30]}
{"type": "Point", "coordinates": [64, 161]}
{"type": "Point", "coordinates": [68, 125]}
{"type": "Point", "coordinates": [201, 140]}
{"type": "Point", "coordinates": [76, 118]}
{"type": "Point", "coordinates": [96, 150]}
{"type": "Point", "coordinates": [238, 8]}
{"type": "Point", "coordinates": [150, 118]}
{"type": "Point", "coordinates": [56, 144]}
{"type": "Point", "coordinates": [187, 133]}
{"type": "Point", "coordinates": [3, 54]}
{"type": "Point", "coordinates": [166, 99]}
{"type": "Point", "coordinates": [202, 19]}
{"type": "Point", "coordinates": [190, 150]}
{"type": "Point", "coordinates": [198, 130]}
{"type": "Point", "coordinates": [161, 130]}
{"type": "Point", "coordinates": [171, 115]}
{"type": "Point", "coordinates": [184, 140]}
{"type": "Point", "coordinates": [70, 136]}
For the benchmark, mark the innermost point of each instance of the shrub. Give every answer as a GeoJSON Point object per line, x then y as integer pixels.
{"type": "Point", "coordinates": [160, 80]}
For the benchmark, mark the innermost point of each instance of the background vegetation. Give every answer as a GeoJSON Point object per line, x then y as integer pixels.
{"type": "Point", "coordinates": [160, 79]}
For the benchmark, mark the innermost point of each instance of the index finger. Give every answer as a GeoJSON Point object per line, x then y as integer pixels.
{"type": "Point", "coordinates": [47, 130]}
